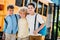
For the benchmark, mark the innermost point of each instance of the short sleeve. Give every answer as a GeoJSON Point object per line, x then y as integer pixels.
{"type": "Point", "coordinates": [40, 19]}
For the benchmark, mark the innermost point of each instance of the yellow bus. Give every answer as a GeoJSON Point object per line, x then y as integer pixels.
{"type": "Point", "coordinates": [41, 8]}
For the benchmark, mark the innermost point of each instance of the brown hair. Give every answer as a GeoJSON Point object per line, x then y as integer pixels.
{"type": "Point", "coordinates": [10, 6]}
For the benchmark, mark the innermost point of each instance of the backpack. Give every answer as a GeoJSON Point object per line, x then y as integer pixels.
{"type": "Point", "coordinates": [43, 31]}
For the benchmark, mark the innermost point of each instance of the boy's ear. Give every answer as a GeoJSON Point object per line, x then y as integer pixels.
{"type": "Point", "coordinates": [35, 9]}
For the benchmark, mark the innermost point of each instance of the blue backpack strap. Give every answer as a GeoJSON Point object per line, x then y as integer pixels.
{"type": "Point", "coordinates": [6, 22]}
{"type": "Point", "coordinates": [16, 19]}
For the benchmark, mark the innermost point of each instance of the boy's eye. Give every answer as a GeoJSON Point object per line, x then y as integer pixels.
{"type": "Point", "coordinates": [11, 10]}
{"type": "Point", "coordinates": [28, 8]}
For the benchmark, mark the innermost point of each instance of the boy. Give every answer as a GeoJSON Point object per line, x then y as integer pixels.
{"type": "Point", "coordinates": [31, 20]}
{"type": "Point", "coordinates": [10, 24]}
{"type": "Point", "coordinates": [23, 25]}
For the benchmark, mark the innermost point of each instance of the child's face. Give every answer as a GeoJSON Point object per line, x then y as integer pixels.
{"type": "Point", "coordinates": [31, 9]}
{"type": "Point", "coordinates": [10, 11]}
{"type": "Point", "coordinates": [22, 14]}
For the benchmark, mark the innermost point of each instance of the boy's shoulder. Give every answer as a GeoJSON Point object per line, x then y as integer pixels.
{"type": "Point", "coordinates": [38, 15]}
{"type": "Point", "coordinates": [17, 15]}
{"type": "Point", "coordinates": [7, 16]}
{"type": "Point", "coordinates": [27, 16]}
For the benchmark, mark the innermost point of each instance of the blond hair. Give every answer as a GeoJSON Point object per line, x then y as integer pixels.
{"type": "Point", "coordinates": [23, 9]}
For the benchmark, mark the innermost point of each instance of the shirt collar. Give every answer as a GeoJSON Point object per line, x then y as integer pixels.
{"type": "Point", "coordinates": [10, 15]}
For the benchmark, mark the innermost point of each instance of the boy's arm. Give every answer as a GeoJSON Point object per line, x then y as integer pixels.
{"type": "Point", "coordinates": [41, 21]}
{"type": "Point", "coordinates": [41, 26]}
{"type": "Point", "coordinates": [5, 25]}
{"type": "Point", "coordinates": [4, 29]}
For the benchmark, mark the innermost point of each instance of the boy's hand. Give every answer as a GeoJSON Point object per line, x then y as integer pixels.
{"type": "Point", "coordinates": [3, 36]}
{"type": "Point", "coordinates": [35, 32]}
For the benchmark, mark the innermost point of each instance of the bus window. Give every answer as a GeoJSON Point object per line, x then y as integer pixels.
{"type": "Point", "coordinates": [19, 3]}
{"type": "Point", "coordinates": [26, 2]}
{"type": "Point", "coordinates": [45, 11]}
{"type": "Point", "coordinates": [40, 8]}
{"type": "Point", "coordinates": [35, 1]}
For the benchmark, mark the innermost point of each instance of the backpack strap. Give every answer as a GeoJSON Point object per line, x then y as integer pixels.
{"type": "Point", "coordinates": [16, 19]}
{"type": "Point", "coordinates": [35, 21]}
{"type": "Point", "coordinates": [5, 21]}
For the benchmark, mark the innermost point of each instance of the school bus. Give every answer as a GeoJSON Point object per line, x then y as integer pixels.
{"type": "Point", "coordinates": [41, 8]}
